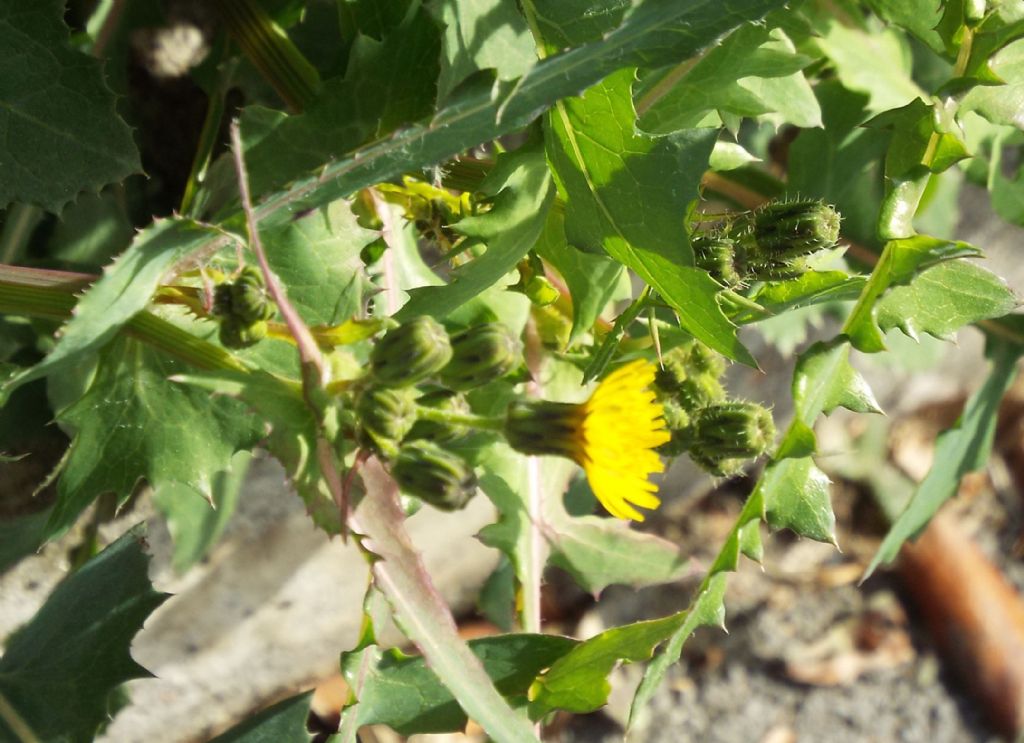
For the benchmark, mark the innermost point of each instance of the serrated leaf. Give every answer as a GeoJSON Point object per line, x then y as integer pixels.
{"type": "Point", "coordinates": [196, 523]}
{"type": "Point", "coordinates": [809, 289]}
{"type": "Point", "coordinates": [403, 693]}
{"type": "Point", "coordinates": [284, 722]}
{"type": "Point", "coordinates": [317, 258]}
{"type": "Point", "coordinates": [481, 35]}
{"type": "Point", "coordinates": [920, 17]}
{"type": "Point", "coordinates": [797, 496]}
{"type": "Point", "coordinates": [578, 682]}
{"type": "Point", "coordinates": [917, 141]}
{"type": "Point", "coordinates": [134, 423]}
{"type": "Point", "coordinates": [125, 289]}
{"type": "Point", "coordinates": [521, 186]}
{"type": "Point", "coordinates": [899, 263]}
{"type": "Point", "coordinates": [421, 613]}
{"type": "Point", "coordinates": [567, 23]}
{"type": "Point", "coordinates": [76, 649]}
{"type": "Point", "coordinates": [293, 432]}
{"type": "Point", "coordinates": [958, 451]}
{"type": "Point", "coordinates": [62, 134]}
{"type": "Point", "coordinates": [943, 299]}
{"type": "Point", "coordinates": [824, 380]}
{"type": "Point", "coordinates": [626, 193]}
{"type": "Point", "coordinates": [732, 78]}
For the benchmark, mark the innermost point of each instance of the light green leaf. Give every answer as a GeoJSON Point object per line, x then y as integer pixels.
{"type": "Point", "coordinates": [61, 132]}
{"type": "Point", "coordinates": [403, 693]}
{"type": "Point", "coordinates": [797, 496]}
{"type": "Point", "coordinates": [317, 257]}
{"type": "Point", "coordinates": [194, 522]}
{"type": "Point", "coordinates": [284, 722]}
{"type": "Point", "coordinates": [899, 263]}
{"type": "Point", "coordinates": [627, 193]}
{"type": "Point", "coordinates": [76, 649]}
{"type": "Point", "coordinates": [421, 613]}
{"type": "Point", "coordinates": [578, 682]}
{"type": "Point", "coordinates": [732, 77]}
{"type": "Point", "coordinates": [809, 289]}
{"type": "Point", "coordinates": [521, 186]}
{"type": "Point", "coordinates": [598, 552]}
{"type": "Point", "coordinates": [133, 424]}
{"type": "Point", "coordinates": [1001, 104]}
{"type": "Point", "coordinates": [958, 451]}
{"type": "Point", "coordinates": [876, 62]}
{"type": "Point", "coordinates": [824, 380]}
{"type": "Point", "coordinates": [481, 35]}
{"type": "Point", "coordinates": [920, 17]}
{"type": "Point", "coordinates": [943, 299]}
{"type": "Point", "coordinates": [593, 280]}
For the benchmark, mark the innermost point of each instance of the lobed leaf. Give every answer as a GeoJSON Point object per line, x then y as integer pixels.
{"type": "Point", "coordinates": [284, 722]}
{"type": "Point", "coordinates": [62, 134]}
{"type": "Point", "coordinates": [60, 671]}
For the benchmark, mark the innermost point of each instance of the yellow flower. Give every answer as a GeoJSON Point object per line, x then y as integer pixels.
{"type": "Point", "coordinates": [612, 436]}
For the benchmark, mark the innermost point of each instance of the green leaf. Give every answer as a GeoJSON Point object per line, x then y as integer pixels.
{"type": "Point", "coordinates": [732, 77]}
{"type": "Point", "coordinates": [943, 299]}
{"type": "Point", "coordinates": [824, 380]}
{"type": "Point", "coordinates": [481, 35]}
{"type": "Point", "coordinates": [421, 613]}
{"type": "Point", "coordinates": [840, 162]}
{"type": "Point", "coordinates": [920, 17]}
{"type": "Point", "coordinates": [875, 62]}
{"type": "Point", "coordinates": [387, 84]}
{"type": "Point", "coordinates": [917, 141]}
{"type": "Point", "coordinates": [134, 423]}
{"type": "Point", "coordinates": [568, 23]}
{"type": "Point", "coordinates": [627, 193]}
{"type": "Point", "coordinates": [76, 648]}
{"type": "Point", "coordinates": [797, 497]}
{"type": "Point", "coordinates": [962, 449]}
{"type": "Point", "coordinates": [124, 290]}
{"type": "Point", "coordinates": [62, 134]}
{"type": "Point", "coordinates": [809, 289]}
{"type": "Point", "coordinates": [598, 552]}
{"type": "Point", "coordinates": [1001, 104]}
{"type": "Point", "coordinates": [655, 32]}
{"type": "Point", "coordinates": [196, 523]}
{"type": "Point", "coordinates": [284, 722]}
{"type": "Point", "coordinates": [403, 693]}
{"type": "Point", "coordinates": [899, 263]}
{"type": "Point", "coordinates": [293, 433]}
{"type": "Point", "coordinates": [593, 280]}
{"type": "Point", "coordinates": [521, 188]}
{"type": "Point", "coordinates": [577, 682]}
{"type": "Point", "coordinates": [21, 536]}
{"type": "Point", "coordinates": [317, 258]}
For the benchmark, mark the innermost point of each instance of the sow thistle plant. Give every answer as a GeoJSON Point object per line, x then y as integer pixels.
{"type": "Point", "coordinates": [462, 250]}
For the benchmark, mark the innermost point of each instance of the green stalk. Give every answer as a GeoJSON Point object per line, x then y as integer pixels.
{"type": "Point", "coordinates": [436, 415]}
{"type": "Point", "coordinates": [268, 47]}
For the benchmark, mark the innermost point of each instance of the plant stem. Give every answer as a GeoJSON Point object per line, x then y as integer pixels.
{"type": "Point", "coordinates": [435, 415]}
{"type": "Point", "coordinates": [14, 721]}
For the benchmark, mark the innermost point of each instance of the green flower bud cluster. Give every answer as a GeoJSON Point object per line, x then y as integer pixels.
{"type": "Point", "coordinates": [718, 434]}
{"type": "Point", "coordinates": [243, 308]}
{"type": "Point", "coordinates": [407, 419]}
{"type": "Point", "coordinates": [767, 244]}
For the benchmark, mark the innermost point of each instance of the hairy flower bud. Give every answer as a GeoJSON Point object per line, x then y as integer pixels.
{"type": "Point", "coordinates": [727, 433]}
{"type": "Point", "coordinates": [244, 299]}
{"type": "Point", "coordinates": [690, 375]}
{"type": "Point", "coordinates": [780, 234]}
{"type": "Point", "coordinates": [386, 415]}
{"type": "Point", "coordinates": [679, 424]}
{"type": "Point", "coordinates": [716, 254]}
{"type": "Point", "coordinates": [435, 475]}
{"type": "Point", "coordinates": [411, 352]}
{"type": "Point", "coordinates": [481, 354]}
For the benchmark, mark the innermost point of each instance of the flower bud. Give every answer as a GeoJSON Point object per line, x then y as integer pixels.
{"type": "Point", "coordinates": [678, 421]}
{"type": "Point", "coordinates": [543, 427]}
{"type": "Point", "coordinates": [386, 415]}
{"type": "Point", "coordinates": [716, 254]}
{"type": "Point", "coordinates": [236, 334]}
{"type": "Point", "coordinates": [481, 354]}
{"type": "Point", "coordinates": [727, 433]}
{"type": "Point", "coordinates": [440, 399]}
{"type": "Point", "coordinates": [780, 233]}
{"type": "Point", "coordinates": [411, 352]}
{"type": "Point", "coordinates": [690, 375]}
{"type": "Point", "coordinates": [435, 475]}
{"type": "Point", "coordinates": [249, 300]}
{"type": "Point", "coordinates": [540, 291]}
